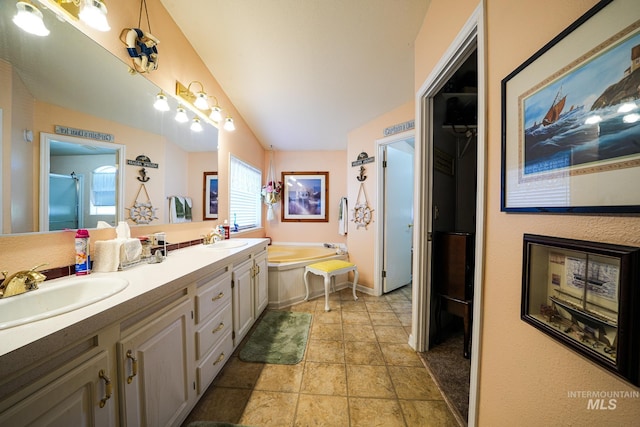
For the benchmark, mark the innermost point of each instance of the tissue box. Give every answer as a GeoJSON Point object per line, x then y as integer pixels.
{"type": "Point", "coordinates": [130, 253]}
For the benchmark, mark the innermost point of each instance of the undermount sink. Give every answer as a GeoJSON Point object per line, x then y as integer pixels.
{"type": "Point", "coordinates": [227, 244]}
{"type": "Point", "coordinates": [57, 297]}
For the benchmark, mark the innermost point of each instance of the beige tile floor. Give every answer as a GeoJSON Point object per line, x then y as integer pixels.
{"type": "Point", "coordinates": [358, 370]}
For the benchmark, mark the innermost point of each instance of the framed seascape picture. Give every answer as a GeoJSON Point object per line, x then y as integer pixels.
{"type": "Point", "coordinates": [305, 196]}
{"type": "Point", "coordinates": [210, 196]}
{"type": "Point", "coordinates": [571, 118]}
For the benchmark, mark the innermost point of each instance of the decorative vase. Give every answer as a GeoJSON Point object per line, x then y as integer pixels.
{"type": "Point", "coordinates": [270, 215]}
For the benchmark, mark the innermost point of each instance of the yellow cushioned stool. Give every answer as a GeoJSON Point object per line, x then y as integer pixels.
{"type": "Point", "coordinates": [329, 270]}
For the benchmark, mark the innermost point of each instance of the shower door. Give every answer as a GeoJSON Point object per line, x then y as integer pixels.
{"type": "Point", "coordinates": [63, 202]}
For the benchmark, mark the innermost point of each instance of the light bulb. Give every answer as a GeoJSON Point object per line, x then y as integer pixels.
{"type": "Point", "coordinates": [201, 101]}
{"type": "Point", "coordinates": [181, 114]}
{"type": "Point", "coordinates": [161, 104]}
{"type": "Point", "coordinates": [30, 19]}
{"type": "Point", "coordinates": [216, 114]}
{"type": "Point", "coordinates": [94, 14]}
{"type": "Point", "coordinates": [228, 124]}
{"type": "Point", "coordinates": [196, 126]}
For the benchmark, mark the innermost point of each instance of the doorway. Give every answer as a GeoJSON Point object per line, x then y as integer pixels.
{"type": "Point", "coordinates": [470, 39]}
{"type": "Point", "coordinates": [395, 203]}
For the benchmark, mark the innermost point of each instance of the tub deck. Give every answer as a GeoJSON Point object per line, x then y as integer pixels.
{"type": "Point", "coordinates": [286, 270]}
{"type": "Point", "coordinates": [278, 254]}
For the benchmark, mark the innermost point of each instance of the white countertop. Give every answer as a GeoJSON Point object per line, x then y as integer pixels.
{"type": "Point", "coordinates": [147, 283]}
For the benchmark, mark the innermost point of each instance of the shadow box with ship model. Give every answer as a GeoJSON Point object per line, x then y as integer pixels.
{"type": "Point", "coordinates": [587, 296]}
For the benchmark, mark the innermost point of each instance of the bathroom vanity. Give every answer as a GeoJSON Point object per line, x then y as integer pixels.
{"type": "Point", "coordinates": [143, 356]}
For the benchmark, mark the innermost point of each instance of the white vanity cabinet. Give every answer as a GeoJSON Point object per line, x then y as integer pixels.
{"type": "Point", "coordinates": [146, 360]}
{"type": "Point", "coordinates": [243, 296]}
{"type": "Point", "coordinates": [82, 396]}
{"type": "Point", "coordinates": [156, 374]}
{"type": "Point", "coordinates": [261, 282]}
{"type": "Point", "coordinates": [214, 326]}
{"type": "Point", "coordinates": [250, 292]}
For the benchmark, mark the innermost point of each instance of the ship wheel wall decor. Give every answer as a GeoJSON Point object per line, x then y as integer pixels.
{"type": "Point", "coordinates": [362, 213]}
{"type": "Point", "coordinates": [142, 212]}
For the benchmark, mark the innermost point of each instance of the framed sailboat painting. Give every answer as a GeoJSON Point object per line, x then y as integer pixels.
{"type": "Point", "coordinates": [571, 118]}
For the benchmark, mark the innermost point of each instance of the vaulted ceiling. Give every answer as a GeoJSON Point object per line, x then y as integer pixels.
{"type": "Point", "coordinates": [303, 73]}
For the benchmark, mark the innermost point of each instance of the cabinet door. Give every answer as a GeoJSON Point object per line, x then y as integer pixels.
{"type": "Point", "coordinates": [243, 313]}
{"type": "Point", "coordinates": [261, 282]}
{"type": "Point", "coordinates": [74, 399]}
{"type": "Point", "coordinates": [156, 370]}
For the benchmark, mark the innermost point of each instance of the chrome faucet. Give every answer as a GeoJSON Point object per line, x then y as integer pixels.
{"type": "Point", "coordinates": [21, 282]}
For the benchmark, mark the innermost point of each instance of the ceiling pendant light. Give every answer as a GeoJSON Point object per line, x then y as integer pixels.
{"type": "Point", "coordinates": [181, 114]}
{"type": "Point", "coordinates": [30, 19]}
{"type": "Point", "coordinates": [196, 126]}
{"type": "Point", "coordinates": [94, 14]}
{"type": "Point", "coordinates": [229, 125]}
{"type": "Point", "coordinates": [161, 104]}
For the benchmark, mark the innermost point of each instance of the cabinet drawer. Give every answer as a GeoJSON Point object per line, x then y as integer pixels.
{"type": "Point", "coordinates": [213, 330]}
{"type": "Point", "coordinates": [212, 296]}
{"type": "Point", "coordinates": [211, 365]}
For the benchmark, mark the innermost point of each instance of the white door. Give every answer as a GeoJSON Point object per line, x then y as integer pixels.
{"type": "Point", "coordinates": [398, 215]}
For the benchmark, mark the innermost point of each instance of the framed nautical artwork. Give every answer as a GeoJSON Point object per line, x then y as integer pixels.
{"type": "Point", "coordinates": [210, 195]}
{"type": "Point", "coordinates": [571, 118]}
{"type": "Point", "coordinates": [305, 196]}
{"type": "Point", "coordinates": [585, 295]}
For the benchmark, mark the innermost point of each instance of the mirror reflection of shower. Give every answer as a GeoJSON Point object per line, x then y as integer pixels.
{"type": "Point", "coordinates": [64, 201]}
{"type": "Point", "coordinates": [81, 182]}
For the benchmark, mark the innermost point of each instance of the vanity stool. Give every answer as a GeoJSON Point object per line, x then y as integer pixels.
{"type": "Point", "coordinates": [329, 270]}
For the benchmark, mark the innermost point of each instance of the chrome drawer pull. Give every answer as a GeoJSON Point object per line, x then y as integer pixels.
{"type": "Point", "coordinates": [220, 326]}
{"type": "Point", "coordinates": [217, 297]}
{"type": "Point", "coordinates": [220, 359]}
{"type": "Point", "coordinates": [107, 385]}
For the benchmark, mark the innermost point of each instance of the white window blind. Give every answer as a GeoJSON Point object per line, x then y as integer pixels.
{"type": "Point", "coordinates": [244, 195]}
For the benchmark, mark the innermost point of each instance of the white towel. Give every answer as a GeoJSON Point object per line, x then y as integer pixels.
{"type": "Point", "coordinates": [106, 256]}
{"type": "Point", "coordinates": [343, 217]}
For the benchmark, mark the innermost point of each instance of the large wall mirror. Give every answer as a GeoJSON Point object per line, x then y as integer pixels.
{"type": "Point", "coordinates": [67, 79]}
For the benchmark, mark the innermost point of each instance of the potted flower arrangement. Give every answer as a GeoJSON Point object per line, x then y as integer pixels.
{"type": "Point", "coordinates": [271, 194]}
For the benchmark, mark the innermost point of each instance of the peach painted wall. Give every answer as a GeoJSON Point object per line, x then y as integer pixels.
{"type": "Point", "coordinates": [525, 376]}
{"type": "Point", "coordinates": [310, 161]}
{"type": "Point", "coordinates": [361, 241]}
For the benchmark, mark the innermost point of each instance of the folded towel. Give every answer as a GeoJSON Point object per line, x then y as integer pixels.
{"type": "Point", "coordinates": [179, 207]}
{"type": "Point", "coordinates": [343, 217]}
{"type": "Point", "coordinates": [106, 256]}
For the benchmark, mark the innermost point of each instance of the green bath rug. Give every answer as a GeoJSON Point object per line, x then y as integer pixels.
{"type": "Point", "coordinates": [280, 338]}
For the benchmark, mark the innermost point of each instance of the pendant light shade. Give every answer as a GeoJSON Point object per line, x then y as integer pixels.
{"type": "Point", "coordinates": [30, 19]}
{"type": "Point", "coordinates": [94, 14]}
{"type": "Point", "coordinates": [181, 115]}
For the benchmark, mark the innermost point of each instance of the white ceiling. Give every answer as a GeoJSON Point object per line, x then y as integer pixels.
{"type": "Point", "coordinates": [304, 73]}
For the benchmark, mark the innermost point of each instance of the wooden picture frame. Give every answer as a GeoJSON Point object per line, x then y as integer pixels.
{"type": "Point", "coordinates": [210, 196]}
{"type": "Point", "coordinates": [568, 126]}
{"type": "Point", "coordinates": [305, 197]}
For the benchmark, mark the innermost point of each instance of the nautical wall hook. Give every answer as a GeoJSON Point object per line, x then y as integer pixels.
{"type": "Point", "coordinates": [362, 176]}
{"type": "Point", "coordinates": [143, 175]}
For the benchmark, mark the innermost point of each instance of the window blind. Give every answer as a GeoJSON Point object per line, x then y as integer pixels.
{"type": "Point", "coordinates": [244, 195]}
